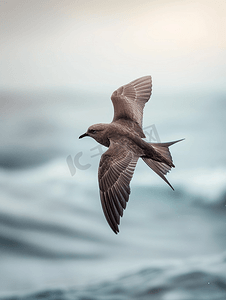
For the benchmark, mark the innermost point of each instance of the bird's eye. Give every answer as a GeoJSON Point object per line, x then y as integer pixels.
{"type": "Point", "coordinates": [92, 131]}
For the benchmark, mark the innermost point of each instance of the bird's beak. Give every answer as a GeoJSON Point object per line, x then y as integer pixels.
{"type": "Point", "coordinates": [83, 135]}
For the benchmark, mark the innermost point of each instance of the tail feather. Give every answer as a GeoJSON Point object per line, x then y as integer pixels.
{"type": "Point", "coordinates": [161, 168]}
{"type": "Point", "coordinates": [163, 149]}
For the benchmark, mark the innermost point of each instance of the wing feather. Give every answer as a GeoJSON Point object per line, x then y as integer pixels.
{"type": "Point", "coordinates": [116, 169]}
{"type": "Point", "coordinates": [129, 100]}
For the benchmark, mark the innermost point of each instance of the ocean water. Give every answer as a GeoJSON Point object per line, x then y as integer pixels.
{"type": "Point", "coordinates": [54, 240]}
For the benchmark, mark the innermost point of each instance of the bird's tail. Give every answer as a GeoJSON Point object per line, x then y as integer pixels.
{"type": "Point", "coordinates": [161, 168]}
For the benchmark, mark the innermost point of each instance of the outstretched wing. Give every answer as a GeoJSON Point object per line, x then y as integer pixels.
{"type": "Point", "coordinates": [129, 100]}
{"type": "Point", "coordinates": [115, 172]}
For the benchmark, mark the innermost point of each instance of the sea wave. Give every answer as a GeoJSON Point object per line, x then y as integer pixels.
{"type": "Point", "coordinates": [191, 279]}
{"type": "Point", "coordinates": [53, 231]}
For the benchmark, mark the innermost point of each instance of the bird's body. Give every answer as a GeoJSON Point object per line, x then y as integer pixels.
{"type": "Point", "coordinates": [124, 135]}
{"type": "Point", "coordinates": [124, 138]}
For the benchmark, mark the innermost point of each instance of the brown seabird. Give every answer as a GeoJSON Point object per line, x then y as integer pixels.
{"type": "Point", "coordinates": [123, 136]}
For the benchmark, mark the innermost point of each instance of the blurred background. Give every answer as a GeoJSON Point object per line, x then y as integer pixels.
{"type": "Point", "coordinates": [60, 61]}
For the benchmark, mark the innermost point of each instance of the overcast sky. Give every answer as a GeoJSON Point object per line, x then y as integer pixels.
{"type": "Point", "coordinates": [81, 44]}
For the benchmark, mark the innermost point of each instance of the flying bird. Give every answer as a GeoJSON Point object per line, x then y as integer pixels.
{"type": "Point", "coordinates": [124, 139]}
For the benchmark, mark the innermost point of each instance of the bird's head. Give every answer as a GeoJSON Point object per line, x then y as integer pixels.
{"type": "Point", "coordinates": [97, 132]}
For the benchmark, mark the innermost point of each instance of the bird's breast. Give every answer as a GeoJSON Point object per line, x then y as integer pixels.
{"type": "Point", "coordinates": [104, 141]}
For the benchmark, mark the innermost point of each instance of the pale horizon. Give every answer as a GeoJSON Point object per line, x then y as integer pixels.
{"type": "Point", "coordinates": [100, 43]}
